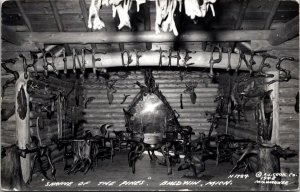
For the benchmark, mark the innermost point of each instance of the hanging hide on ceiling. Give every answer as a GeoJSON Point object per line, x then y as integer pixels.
{"type": "Point", "coordinates": [22, 103]}
{"type": "Point", "coordinates": [94, 20]}
{"type": "Point", "coordinates": [165, 10]}
{"type": "Point", "coordinates": [122, 9]}
{"type": "Point", "coordinates": [150, 114]}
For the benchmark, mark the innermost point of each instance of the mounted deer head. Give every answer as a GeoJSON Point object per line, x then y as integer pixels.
{"type": "Point", "coordinates": [110, 90]}
{"type": "Point", "coordinates": [190, 88]}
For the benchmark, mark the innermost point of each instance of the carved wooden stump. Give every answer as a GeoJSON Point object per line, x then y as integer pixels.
{"type": "Point", "coordinates": [11, 174]}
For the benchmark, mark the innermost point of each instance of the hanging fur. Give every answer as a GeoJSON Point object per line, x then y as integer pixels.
{"type": "Point", "coordinates": [122, 10]}
{"type": "Point", "coordinates": [193, 9]}
{"type": "Point", "coordinates": [138, 3]}
{"type": "Point", "coordinates": [165, 16]}
{"type": "Point", "coordinates": [94, 19]}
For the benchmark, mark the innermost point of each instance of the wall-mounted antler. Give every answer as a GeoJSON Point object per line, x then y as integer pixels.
{"type": "Point", "coordinates": [138, 56]}
{"type": "Point", "coordinates": [161, 56]}
{"type": "Point", "coordinates": [80, 64]}
{"type": "Point", "coordinates": [249, 63]}
{"type": "Point", "coordinates": [261, 73]}
{"type": "Point", "coordinates": [213, 61]}
{"type": "Point", "coordinates": [286, 76]}
{"type": "Point", "coordinates": [88, 100]}
{"type": "Point", "coordinates": [47, 63]}
{"type": "Point", "coordinates": [187, 57]}
{"type": "Point", "coordinates": [190, 88]}
{"type": "Point", "coordinates": [177, 56]}
{"type": "Point", "coordinates": [65, 61]}
{"type": "Point", "coordinates": [124, 98]}
{"type": "Point", "coordinates": [15, 74]}
{"type": "Point", "coordinates": [129, 59]}
{"type": "Point", "coordinates": [94, 60]}
{"type": "Point", "coordinates": [229, 51]}
{"type": "Point", "coordinates": [26, 66]}
{"type": "Point", "coordinates": [110, 90]}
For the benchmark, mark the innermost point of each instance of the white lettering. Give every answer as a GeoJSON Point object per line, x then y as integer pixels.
{"type": "Point", "coordinates": [132, 183]}
{"type": "Point", "coordinates": [50, 184]}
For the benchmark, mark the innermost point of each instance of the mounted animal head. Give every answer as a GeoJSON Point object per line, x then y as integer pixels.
{"type": "Point", "coordinates": [110, 90]}
{"type": "Point", "coordinates": [190, 88]}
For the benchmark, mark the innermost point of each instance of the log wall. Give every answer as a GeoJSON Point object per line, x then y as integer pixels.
{"type": "Point", "coordinates": [50, 129]}
{"type": "Point", "coordinates": [99, 111]}
{"type": "Point", "coordinates": [288, 128]}
{"type": "Point", "coordinates": [289, 122]}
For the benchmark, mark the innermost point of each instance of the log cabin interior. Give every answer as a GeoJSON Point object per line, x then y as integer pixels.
{"type": "Point", "coordinates": [150, 95]}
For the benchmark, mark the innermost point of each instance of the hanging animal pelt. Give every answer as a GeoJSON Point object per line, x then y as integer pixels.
{"type": "Point", "coordinates": [121, 7]}
{"type": "Point", "coordinates": [22, 103]}
{"type": "Point", "coordinates": [94, 19]}
{"type": "Point", "coordinates": [165, 10]}
{"type": "Point", "coordinates": [194, 9]}
{"type": "Point", "coordinates": [122, 10]}
{"type": "Point", "coordinates": [165, 16]}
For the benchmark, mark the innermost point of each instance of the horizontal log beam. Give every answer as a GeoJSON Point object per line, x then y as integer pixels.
{"type": "Point", "coordinates": [263, 45]}
{"type": "Point", "coordinates": [288, 31]}
{"type": "Point", "coordinates": [141, 37]}
{"type": "Point", "coordinates": [149, 58]}
{"type": "Point", "coordinates": [11, 36]}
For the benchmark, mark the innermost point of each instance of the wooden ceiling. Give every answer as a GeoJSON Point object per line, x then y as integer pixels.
{"type": "Point", "coordinates": [70, 16]}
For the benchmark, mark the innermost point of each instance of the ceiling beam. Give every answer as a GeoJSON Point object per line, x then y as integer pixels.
{"type": "Point", "coordinates": [24, 16]}
{"type": "Point", "coordinates": [241, 15]}
{"type": "Point", "coordinates": [271, 14]}
{"type": "Point", "coordinates": [239, 21]}
{"type": "Point", "coordinates": [288, 31]}
{"type": "Point", "coordinates": [58, 22]}
{"type": "Point", "coordinates": [145, 36]}
{"type": "Point", "coordinates": [264, 45]}
{"type": "Point", "coordinates": [11, 36]}
{"type": "Point", "coordinates": [84, 12]}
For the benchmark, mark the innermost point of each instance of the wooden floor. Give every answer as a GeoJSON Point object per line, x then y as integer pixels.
{"type": "Point", "coordinates": [116, 176]}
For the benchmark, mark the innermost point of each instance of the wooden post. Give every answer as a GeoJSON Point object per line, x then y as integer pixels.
{"type": "Point", "coordinates": [268, 163]}
{"type": "Point", "coordinates": [59, 118]}
{"type": "Point", "coordinates": [275, 101]}
{"type": "Point", "coordinates": [22, 122]}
